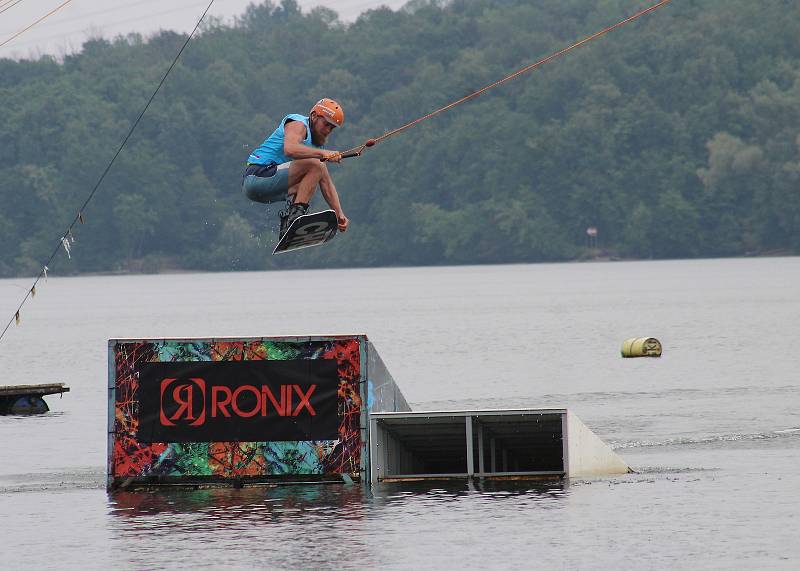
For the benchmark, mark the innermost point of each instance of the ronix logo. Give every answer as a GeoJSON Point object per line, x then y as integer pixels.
{"type": "Point", "coordinates": [189, 402]}
{"type": "Point", "coordinates": [185, 401]}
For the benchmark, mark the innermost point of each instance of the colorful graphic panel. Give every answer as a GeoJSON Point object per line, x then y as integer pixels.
{"type": "Point", "coordinates": [132, 457]}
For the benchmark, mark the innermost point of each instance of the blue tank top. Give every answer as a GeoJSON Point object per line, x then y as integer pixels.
{"type": "Point", "coordinates": [271, 150]}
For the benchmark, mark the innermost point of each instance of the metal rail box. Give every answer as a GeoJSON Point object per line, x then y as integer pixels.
{"type": "Point", "coordinates": [490, 444]}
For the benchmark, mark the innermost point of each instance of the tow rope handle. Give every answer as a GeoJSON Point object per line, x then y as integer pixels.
{"type": "Point", "coordinates": [345, 155]}
{"type": "Point", "coordinates": [354, 152]}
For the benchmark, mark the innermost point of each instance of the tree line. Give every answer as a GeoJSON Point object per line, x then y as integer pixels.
{"type": "Point", "coordinates": [676, 136]}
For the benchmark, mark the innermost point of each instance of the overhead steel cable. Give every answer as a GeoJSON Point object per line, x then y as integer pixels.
{"type": "Point", "coordinates": [8, 4]}
{"type": "Point", "coordinates": [67, 237]}
{"type": "Point", "coordinates": [106, 26]}
{"type": "Point", "coordinates": [356, 151]}
{"type": "Point", "coordinates": [53, 11]}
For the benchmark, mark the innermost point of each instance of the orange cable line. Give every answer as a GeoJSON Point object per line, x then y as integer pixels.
{"type": "Point", "coordinates": [359, 149]}
{"type": "Point", "coordinates": [53, 11]}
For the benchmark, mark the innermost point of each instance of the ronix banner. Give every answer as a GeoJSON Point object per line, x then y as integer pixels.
{"type": "Point", "coordinates": [246, 401]}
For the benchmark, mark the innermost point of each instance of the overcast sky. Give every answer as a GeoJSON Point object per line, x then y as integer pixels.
{"type": "Point", "coordinates": [68, 28]}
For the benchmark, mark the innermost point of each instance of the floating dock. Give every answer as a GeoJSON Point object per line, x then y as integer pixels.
{"type": "Point", "coordinates": [28, 399]}
{"type": "Point", "coordinates": [241, 411]}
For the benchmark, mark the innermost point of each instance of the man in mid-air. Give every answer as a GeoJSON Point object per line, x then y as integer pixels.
{"type": "Point", "coordinates": [289, 164]}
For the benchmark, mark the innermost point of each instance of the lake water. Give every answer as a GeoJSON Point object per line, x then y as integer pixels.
{"type": "Point", "coordinates": [713, 427]}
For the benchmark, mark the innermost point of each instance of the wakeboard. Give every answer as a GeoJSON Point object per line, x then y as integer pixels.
{"type": "Point", "coordinates": [308, 230]}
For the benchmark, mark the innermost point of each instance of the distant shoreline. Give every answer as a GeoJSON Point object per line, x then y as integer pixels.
{"type": "Point", "coordinates": [172, 270]}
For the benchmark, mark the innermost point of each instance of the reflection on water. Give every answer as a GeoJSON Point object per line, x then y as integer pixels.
{"type": "Point", "coordinates": [229, 503]}
{"type": "Point", "coordinates": [479, 495]}
{"type": "Point", "coordinates": [316, 526]}
{"type": "Point", "coordinates": [335, 500]}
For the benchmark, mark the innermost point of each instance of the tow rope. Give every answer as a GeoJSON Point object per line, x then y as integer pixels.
{"type": "Point", "coordinates": [356, 151]}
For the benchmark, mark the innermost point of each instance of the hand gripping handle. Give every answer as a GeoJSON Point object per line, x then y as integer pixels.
{"type": "Point", "coordinates": [346, 155]}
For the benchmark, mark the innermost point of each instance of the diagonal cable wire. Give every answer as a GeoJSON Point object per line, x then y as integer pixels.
{"type": "Point", "coordinates": [4, 4]}
{"type": "Point", "coordinates": [66, 238]}
{"type": "Point", "coordinates": [53, 11]}
{"type": "Point", "coordinates": [8, 4]}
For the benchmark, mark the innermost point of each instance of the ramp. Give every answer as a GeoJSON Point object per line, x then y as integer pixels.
{"type": "Point", "coordinates": [240, 411]}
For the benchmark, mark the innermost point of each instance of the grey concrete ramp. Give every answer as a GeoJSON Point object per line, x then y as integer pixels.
{"type": "Point", "coordinates": [587, 455]}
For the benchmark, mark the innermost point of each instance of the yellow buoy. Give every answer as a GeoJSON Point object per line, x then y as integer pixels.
{"type": "Point", "coordinates": [641, 347]}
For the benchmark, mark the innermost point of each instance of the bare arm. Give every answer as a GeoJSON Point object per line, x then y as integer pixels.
{"type": "Point", "coordinates": [330, 195]}
{"type": "Point", "coordinates": [293, 147]}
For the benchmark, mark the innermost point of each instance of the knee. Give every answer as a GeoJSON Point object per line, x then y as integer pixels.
{"type": "Point", "coordinates": [315, 168]}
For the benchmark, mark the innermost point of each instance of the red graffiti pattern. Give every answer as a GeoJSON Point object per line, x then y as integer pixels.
{"type": "Point", "coordinates": [131, 458]}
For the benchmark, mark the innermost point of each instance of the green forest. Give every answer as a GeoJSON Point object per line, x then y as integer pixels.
{"type": "Point", "coordinates": [676, 136]}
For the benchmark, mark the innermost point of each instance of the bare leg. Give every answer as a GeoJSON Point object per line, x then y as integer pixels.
{"type": "Point", "coordinates": [304, 177]}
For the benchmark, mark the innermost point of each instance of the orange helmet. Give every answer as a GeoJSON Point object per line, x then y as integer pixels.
{"type": "Point", "coordinates": [329, 110]}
